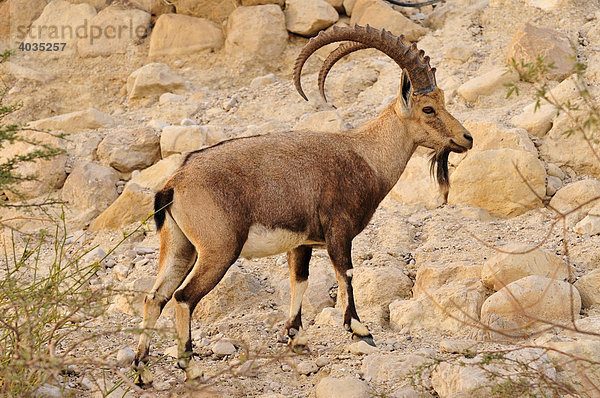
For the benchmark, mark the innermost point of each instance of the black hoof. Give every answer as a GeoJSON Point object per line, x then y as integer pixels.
{"type": "Point", "coordinates": [367, 339]}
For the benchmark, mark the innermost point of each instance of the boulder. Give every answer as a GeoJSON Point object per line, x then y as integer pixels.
{"type": "Point", "coordinates": [537, 121]}
{"type": "Point", "coordinates": [432, 276]}
{"type": "Point", "coordinates": [449, 308]}
{"type": "Point", "coordinates": [571, 150]}
{"type": "Point", "coordinates": [348, 6]}
{"type": "Point", "coordinates": [256, 32]}
{"type": "Point", "coordinates": [376, 287]}
{"type": "Point", "coordinates": [489, 179]}
{"type": "Point", "coordinates": [577, 362]}
{"type": "Point", "coordinates": [152, 80]}
{"type": "Point", "coordinates": [262, 2]}
{"type": "Point", "coordinates": [417, 186]}
{"type": "Point", "coordinates": [527, 305]}
{"type": "Point", "coordinates": [128, 151]}
{"type": "Point", "coordinates": [137, 200]}
{"type": "Point", "coordinates": [91, 187]}
{"type": "Point", "coordinates": [216, 10]}
{"type": "Point", "coordinates": [74, 122]}
{"type": "Point", "coordinates": [590, 224]}
{"type": "Point", "coordinates": [113, 31]}
{"type": "Point", "coordinates": [576, 199]}
{"type": "Point", "coordinates": [505, 267]}
{"type": "Point", "coordinates": [487, 83]}
{"type": "Point", "coordinates": [323, 121]}
{"type": "Point", "coordinates": [490, 135]}
{"type": "Point", "coordinates": [83, 146]}
{"type": "Point", "coordinates": [16, 17]}
{"type": "Point", "coordinates": [236, 291]}
{"type": "Point", "coordinates": [308, 17]}
{"type": "Point", "coordinates": [178, 139]}
{"type": "Point", "coordinates": [59, 22]}
{"type": "Point", "coordinates": [391, 367]}
{"type": "Point", "coordinates": [531, 42]}
{"type": "Point", "coordinates": [380, 15]}
{"type": "Point", "coordinates": [175, 34]}
{"type": "Point", "coordinates": [589, 288]}
{"type": "Point", "coordinates": [344, 387]}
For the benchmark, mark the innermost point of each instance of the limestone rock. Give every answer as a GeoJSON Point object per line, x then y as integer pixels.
{"type": "Point", "coordinates": [432, 276]}
{"type": "Point", "coordinates": [126, 151]}
{"type": "Point", "coordinates": [590, 224]}
{"type": "Point", "coordinates": [137, 200]}
{"type": "Point", "coordinates": [16, 16]}
{"type": "Point", "coordinates": [178, 139]}
{"type": "Point", "coordinates": [91, 186]}
{"type": "Point", "coordinates": [504, 268]}
{"type": "Point", "coordinates": [574, 195]}
{"type": "Point", "coordinates": [553, 184]}
{"type": "Point", "coordinates": [256, 32]}
{"type": "Point", "coordinates": [376, 287]}
{"type": "Point", "coordinates": [536, 121]}
{"type": "Point", "coordinates": [417, 186]}
{"type": "Point", "coordinates": [62, 14]}
{"type": "Point", "coordinates": [324, 121]}
{"type": "Point", "coordinates": [262, 2]}
{"type": "Point", "coordinates": [361, 348]}
{"type": "Point", "coordinates": [337, 4]}
{"type": "Point", "coordinates": [489, 135]}
{"type": "Point", "coordinates": [487, 83]}
{"type": "Point", "coordinates": [236, 291]}
{"type": "Point", "coordinates": [176, 34]}
{"type": "Point", "coordinates": [307, 367]}
{"type": "Point", "coordinates": [308, 17]}
{"type": "Point", "coordinates": [329, 316]}
{"type": "Point", "coordinates": [25, 73]}
{"type": "Point", "coordinates": [589, 288]}
{"type": "Point", "coordinates": [390, 367]}
{"type": "Point", "coordinates": [570, 150]}
{"type": "Point", "coordinates": [125, 357]}
{"type": "Point", "coordinates": [222, 348]}
{"type": "Point", "coordinates": [512, 308]}
{"type": "Point", "coordinates": [132, 301]}
{"type": "Point", "coordinates": [431, 312]}
{"type": "Point", "coordinates": [316, 297]}
{"type": "Point", "coordinates": [74, 122]}
{"type": "Point", "coordinates": [344, 387]}
{"type": "Point", "coordinates": [531, 42]}
{"type": "Point", "coordinates": [489, 179]}
{"type": "Point", "coordinates": [458, 52]}
{"type": "Point", "coordinates": [449, 380]}
{"type": "Point", "coordinates": [582, 376]}
{"type": "Point", "coordinates": [216, 10]}
{"type": "Point", "coordinates": [106, 39]}
{"type": "Point", "coordinates": [348, 6]}
{"type": "Point", "coordinates": [380, 14]}
{"type": "Point", "coordinates": [152, 80]}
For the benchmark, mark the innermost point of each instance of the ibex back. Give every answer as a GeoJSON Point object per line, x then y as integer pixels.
{"type": "Point", "coordinates": [291, 192]}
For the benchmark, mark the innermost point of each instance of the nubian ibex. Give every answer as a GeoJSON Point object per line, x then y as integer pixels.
{"type": "Point", "coordinates": [291, 192]}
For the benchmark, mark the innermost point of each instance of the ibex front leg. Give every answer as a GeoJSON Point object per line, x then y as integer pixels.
{"type": "Point", "coordinates": [298, 260]}
{"type": "Point", "coordinates": [339, 249]}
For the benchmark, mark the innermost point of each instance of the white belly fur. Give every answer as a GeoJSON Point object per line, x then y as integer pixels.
{"type": "Point", "coordinates": [263, 241]}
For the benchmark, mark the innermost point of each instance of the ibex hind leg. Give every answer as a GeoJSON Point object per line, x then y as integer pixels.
{"type": "Point", "coordinates": [177, 255]}
{"type": "Point", "coordinates": [339, 249]}
{"type": "Point", "coordinates": [210, 267]}
{"type": "Point", "coordinates": [298, 262]}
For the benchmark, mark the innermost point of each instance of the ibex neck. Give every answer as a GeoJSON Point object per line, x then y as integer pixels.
{"type": "Point", "coordinates": [387, 145]}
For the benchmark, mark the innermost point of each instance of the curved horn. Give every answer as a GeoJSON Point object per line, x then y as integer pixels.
{"type": "Point", "coordinates": [337, 54]}
{"type": "Point", "coordinates": [399, 49]}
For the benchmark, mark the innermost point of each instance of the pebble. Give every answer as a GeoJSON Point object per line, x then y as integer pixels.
{"type": "Point", "coordinates": [161, 385]}
{"type": "Point", "coordinates": [361, 348]}
{"type": "Point", "coordinates": [322, 361]}
{"type": "Point", "coordinates": [121, 271]}
{"type": "Point", "coordinates": [307, 367]}
{"type": "Point", "coordinates": [222, 348]}
{"type": "Point", "coordinates": [125, 357]}
{"type": "Point", "coordinates": [143, 250]}
{"type": "Point", "coordinates": [187, 122]}
{"type": "Point", "coordinates": [141, 262]}
{"type": "Point", "coordinates": [157, 125]}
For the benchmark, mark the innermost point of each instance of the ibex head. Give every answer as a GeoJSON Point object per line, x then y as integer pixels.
{"type": "Point", "coordinates": [420, 103]}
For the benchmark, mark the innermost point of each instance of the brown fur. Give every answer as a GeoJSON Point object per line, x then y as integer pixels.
{"type": "Point", "coordinates": [324, 186]}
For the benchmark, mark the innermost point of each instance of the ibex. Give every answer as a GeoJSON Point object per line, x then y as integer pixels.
{"type": "Point", "coordinates": [291, 192]}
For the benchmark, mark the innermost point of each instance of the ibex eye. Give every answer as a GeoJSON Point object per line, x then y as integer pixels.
{"type": "Point", "coordinates": [428, 110]}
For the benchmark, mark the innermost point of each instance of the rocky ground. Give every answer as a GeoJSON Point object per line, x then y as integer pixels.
{"type": "Point", "coordinates": [430, 277]}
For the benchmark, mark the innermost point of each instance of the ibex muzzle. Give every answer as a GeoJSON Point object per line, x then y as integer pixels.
{"type": "Point", "coordinates": [291, 192]}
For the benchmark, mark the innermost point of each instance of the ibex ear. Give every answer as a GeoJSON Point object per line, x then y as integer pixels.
{"type": "Point", "coordinates": [405, 96]}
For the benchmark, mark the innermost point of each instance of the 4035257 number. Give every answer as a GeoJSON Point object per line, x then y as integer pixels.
{"type": "Point", "coordinates": [42, 46]}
